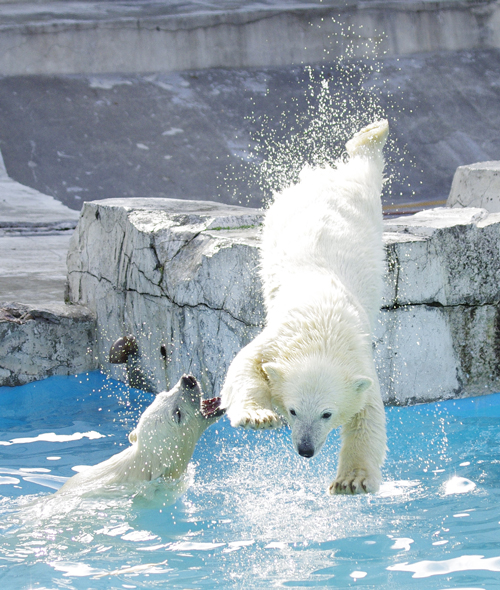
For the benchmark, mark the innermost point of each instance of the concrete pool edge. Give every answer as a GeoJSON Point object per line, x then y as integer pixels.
{"type": "Point", "coordinates": [183, 279]}
{"type": "Point", "coordinates": [39, 335]}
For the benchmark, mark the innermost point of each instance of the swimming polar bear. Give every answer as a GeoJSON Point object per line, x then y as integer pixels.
{"type": "Point", "coordinates": [322, 264]}
{"type": "Point", "coordinates": [162, 443]}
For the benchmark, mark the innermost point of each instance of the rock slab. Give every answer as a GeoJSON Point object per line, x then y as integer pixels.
{"type": "Point", "coordinates": [37, 342]}
{"type": "Point", "coordinates": [182, 276]}
{"type": "Point", "coordinates": [476, 185]}
{"type": "Point", "coordinates": [178, 275]}
{"type": "Point", "coordinates": [39, 335]}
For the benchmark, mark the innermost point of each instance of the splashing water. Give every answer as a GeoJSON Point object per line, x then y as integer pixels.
{"type": "Point", "coordinates": [256, 515]}
{"type": "Point", "coordinates": [332, 101]}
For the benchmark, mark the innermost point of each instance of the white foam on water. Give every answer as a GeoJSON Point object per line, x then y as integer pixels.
{"type": "Point", "coordinates": [458, 485]}
{"type": "Point", "coordinates": [5, 480]}
{"type": "Point", "coordinates": [188, 546]}
{"type": "Point", "coordinates": [78, 570]}
{"type": "Point", "coordinates": [53, 437]}
{"type": "Point", "coordinates": [53, 482]}
{"type": "Point", "coordinates": [358, 575]}
{"type": "Point", "coordinates": [464, 563]}
{"type": "Point", "coordinates": [402, 543]}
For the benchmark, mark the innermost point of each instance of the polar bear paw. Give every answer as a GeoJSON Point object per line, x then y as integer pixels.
{"type": "Point", "coordinates": [358, 481]}
{"type": "Point", "coordinates": [256, 419]}
{"type": "Point", "coordinates": [371, 136]}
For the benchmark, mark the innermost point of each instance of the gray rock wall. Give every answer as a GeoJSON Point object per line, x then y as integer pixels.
{"type": "Point", "coordinates": [182, 277]}
{"type": "Point", "coordinates": [96, 37]}
{"type": "Point", "coordinates": [39, 341]}
{"type": "Point", "coordinates": [39, 335]}
{"type": "Point", "coordinates": [476, 185]}
{"type": "Point", "coordinates": [179, 275]}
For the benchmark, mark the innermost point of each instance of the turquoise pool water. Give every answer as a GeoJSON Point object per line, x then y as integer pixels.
{"type": "Point", "coordinates": [256, 515]}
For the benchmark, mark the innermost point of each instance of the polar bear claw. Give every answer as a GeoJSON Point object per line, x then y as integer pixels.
{"type": "Point", "coordinates": [357, 482]}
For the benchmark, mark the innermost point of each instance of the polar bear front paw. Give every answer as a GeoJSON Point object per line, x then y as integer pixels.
{"type": "Point", "coordinates": [256, 419]}
{"type": "Point", "coordinates": [358, 481]}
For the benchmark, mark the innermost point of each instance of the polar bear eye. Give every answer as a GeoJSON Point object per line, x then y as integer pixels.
{"type": "Point", "coordinates": [178, 416]}
{"type": "Point", "coordinates": [326, 415]}
{"type": "Point", "coordinates": [293, 412]}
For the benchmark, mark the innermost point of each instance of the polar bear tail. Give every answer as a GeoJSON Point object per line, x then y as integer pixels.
{"type": "Point", "coordinates": [369, 140]}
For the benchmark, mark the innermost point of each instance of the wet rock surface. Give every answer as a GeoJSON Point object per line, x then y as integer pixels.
{"type": "Point", "coordinates": [184, 280]}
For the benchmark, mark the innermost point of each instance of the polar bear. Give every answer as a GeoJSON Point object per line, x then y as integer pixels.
{"type": "Point", "coordinates": [322, 262]}
{"type": "Point", "coordinates": [162, 443]}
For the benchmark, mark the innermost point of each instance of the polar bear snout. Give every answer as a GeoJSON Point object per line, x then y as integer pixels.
{"type": "Point", "coordinates": [305, 448]}
{"type": "Point", "coordinates": [189, 381]}
{"type": "Point", "coordinates": [309, 436]}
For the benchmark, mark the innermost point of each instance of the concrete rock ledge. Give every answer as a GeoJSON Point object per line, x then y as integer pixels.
{"type": "Point", "coordinates": [179, 275]}
{"type": "Point", "coordinates": [476, 185]}
{"type": "Point", "coordinates": [98, 37]}
{"type": "Point", "coordinates": [439, 333]}
{"type": "Point", "coordinates": [39, 335]}
{"type": "Point", "coordinates": [182, 277]}
{"type": "Point", "coordinates": [37, 342]}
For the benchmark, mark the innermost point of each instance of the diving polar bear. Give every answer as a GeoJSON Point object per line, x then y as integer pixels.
{"type": "Point", "coordinates": [322, 264]}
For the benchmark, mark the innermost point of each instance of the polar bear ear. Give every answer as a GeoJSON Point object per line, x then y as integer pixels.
{"type": "Point", "coordinates": [132, 437]}
{"type": "Point", "coordinates": [362, 384]}
{"type": "Point", "coordinates": [272, 371]}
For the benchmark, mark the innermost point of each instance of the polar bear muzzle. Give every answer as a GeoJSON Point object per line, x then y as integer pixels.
{"type": "Point", "coordinates": [305, 448]}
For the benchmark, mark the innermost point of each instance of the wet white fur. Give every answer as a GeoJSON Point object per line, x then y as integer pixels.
{"type": "Point", "coordinates": [161, 447]}
{"type": "Point", "coordinates": [322, 267]}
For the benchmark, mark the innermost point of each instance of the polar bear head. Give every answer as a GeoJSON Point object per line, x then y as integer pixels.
{"type": "Point", "coordinates": [316, 396]}
{"type": "Point", "coordinates": [169, 429]}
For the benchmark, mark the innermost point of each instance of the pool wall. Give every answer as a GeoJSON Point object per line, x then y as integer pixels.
{"type": "Point", "coordinates": [182, 277]}
{"type": "Point", "coordinates": [145, 37]}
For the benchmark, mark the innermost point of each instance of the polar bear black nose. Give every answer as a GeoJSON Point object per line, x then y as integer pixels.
{"type": "Point", "coordinates": [189, 381]}
{"type": "Point", "coordinates": [305, 449]}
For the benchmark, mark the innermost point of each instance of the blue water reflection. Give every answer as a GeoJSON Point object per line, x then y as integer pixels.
{"type": "Point", "coordinates": [256, 514]}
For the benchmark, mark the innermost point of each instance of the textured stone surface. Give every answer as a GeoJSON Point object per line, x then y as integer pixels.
{"type": "Point", "coordinates": [182, 277]}
{"type": "Point", "coordinates": [39, 335]}
{"type": "Point", "coordinates": [201, 134]}
{"type": "Point", "coordinates": [35, 230]}
{"type": "Point", "coordinates": [179, 275]}
{"type": "Point", "coordinates": [74, 37]}
{"type": "Point", "coordinates": [439, 331]}
{"type": "Point", "coordinates": [443, 257]}
{"type": "Point", "coordinates": [476, 185]}
{"type": "Point", "coordinates": [426, 352]}
{"type": "Point", "coordinates": [37, 342]}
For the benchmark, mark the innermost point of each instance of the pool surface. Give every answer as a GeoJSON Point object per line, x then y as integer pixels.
{"type": "Point", "coordinates": [256, 515]}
